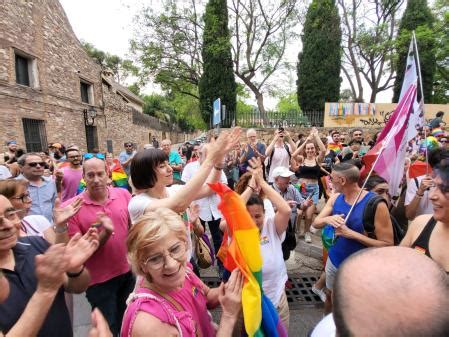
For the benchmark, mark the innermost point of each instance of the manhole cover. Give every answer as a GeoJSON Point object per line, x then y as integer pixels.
{"type": "Point", "coordinates": [298, 295]}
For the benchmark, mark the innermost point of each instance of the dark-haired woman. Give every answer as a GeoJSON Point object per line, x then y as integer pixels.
{"type": "Point", "coordinates": [151, 176]}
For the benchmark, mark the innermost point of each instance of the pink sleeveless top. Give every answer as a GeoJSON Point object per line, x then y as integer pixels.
{"type": "Point", "coordinates": [191, 298]}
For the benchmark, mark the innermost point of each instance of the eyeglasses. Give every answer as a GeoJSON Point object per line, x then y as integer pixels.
{"type": "Point", "coordinates": [10, 215]}
{"type": "Point", "coordinates": [128, 145]}
{"type": "Point", "coordinates": [92, 155]}
{"type": "Point", "coordinates": [34, 164]}
{"type": "Point", "coordinates": [176, 252]}
{"type": "Point", "coordinates": [24, 197]}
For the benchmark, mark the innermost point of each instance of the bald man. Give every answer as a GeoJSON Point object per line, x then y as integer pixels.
{"type": "Point", "coordinates": [389, 292]}
{"type": "Point", "coordinates": [106, 208]}
{"type": "Point", "coordinates": [253, 148]}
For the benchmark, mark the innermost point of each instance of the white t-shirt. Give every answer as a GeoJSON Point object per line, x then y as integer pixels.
{"type": "Point", "coordinates": [325, 327]}
{"type": "Point", "coordinates": [425, 205]}
{"type": "Point", "coordinates": [274, 271]}
{"type": "Point", "coordinates": [280, 158]}
{"type": "Point", "coordinates": [268, 208]}
{"type": "Point", "coordinates": [4, 172]}
{"type": "Point", "coordinates": [35, 225]}
{"type": "Point", "coordinates": [208, 205]}
{"type": "Point", "coordinates": [140, 202]}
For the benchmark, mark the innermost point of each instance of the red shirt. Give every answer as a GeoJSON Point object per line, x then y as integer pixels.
{"type": "Point", "coordinates": [110, 260]}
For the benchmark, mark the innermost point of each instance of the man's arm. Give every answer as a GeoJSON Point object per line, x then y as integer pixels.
{"type": "Point", "coordinates": [383, 230]}
{"type": "Point", "coordinates": [325, 215]}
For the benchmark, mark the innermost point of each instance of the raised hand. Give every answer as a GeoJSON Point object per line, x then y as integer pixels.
{"type": "Point", "coordinates": [230, 294]}
{"type": "Point", "coordinates": [217, 149]}
{"type": "Point", "coordinates": [51, 268]}
{"type": "Point", "coordinates": [80, 248]}
{"type": "Point", "coordinates": [105, 222]}
{"type": "Point", "coordinates": [255, 167]}
{"type": "Point", "coordinates": [100, 327]}
{"type": "Point", "coordinates": [62, 214]}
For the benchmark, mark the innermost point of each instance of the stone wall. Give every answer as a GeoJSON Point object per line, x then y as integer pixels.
{"type": "Point", "coordinates": [40, 31]}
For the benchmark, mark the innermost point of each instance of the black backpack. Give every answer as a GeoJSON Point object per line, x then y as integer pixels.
{"type": "Point", "coordinates": [271, 157]}
{"type": "Point", "coordinates": [368, 220]}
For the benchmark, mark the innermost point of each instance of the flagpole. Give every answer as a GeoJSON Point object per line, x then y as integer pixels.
{"type": "Point", "coordinates": [415, 45]}
{"type": "Point", "coordinates": [384, 145]}
{"type": "Point", "coordinates": [367, 177]}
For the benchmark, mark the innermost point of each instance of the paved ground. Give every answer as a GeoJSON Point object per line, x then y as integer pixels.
{"type": "Point", "coordinates": [305, 259]}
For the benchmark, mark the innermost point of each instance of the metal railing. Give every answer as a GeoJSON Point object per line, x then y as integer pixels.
{"type": "Point", "coordinates": [276, 119]}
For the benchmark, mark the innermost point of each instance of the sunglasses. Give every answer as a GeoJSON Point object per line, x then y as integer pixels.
{"type": "Point", "coordinates": [443, 141]}
{"type": "Point", "coordinates": [41, 164]}
{"type": "Point", "coordinates": [92, 155]}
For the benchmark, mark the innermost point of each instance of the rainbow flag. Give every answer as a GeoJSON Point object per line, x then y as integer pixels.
{"type": "Point", "coordinates": [119, 177]}
{"type": "Point", "coordinates": [243, 252]}
{"type": "Point", "coordinates": [438, 132]}
{"type": "Point", "coordinates": [334, 147]}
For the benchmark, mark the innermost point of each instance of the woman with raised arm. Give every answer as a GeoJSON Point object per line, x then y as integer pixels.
{"type": "Point", "coordinates": [309, 172]}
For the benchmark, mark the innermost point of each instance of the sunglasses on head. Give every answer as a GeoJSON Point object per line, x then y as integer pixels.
{"type": "Point", "coordinates": [92, 155]}
{"type": "Point", "coordinates": [41, 164]}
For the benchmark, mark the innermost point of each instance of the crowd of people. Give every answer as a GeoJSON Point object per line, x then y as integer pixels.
{"type": "Point", "coordinates": [125, 231]}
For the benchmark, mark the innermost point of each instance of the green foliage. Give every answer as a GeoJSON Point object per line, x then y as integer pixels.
{"type": "Point", "coordinates": [134, 88]}
{"type": "Point", "coordinates": [417, 17]}
{"type": "Point", "coordinates": [175, 108]}
{"type": "Point", "coordinates": [288, 104]}
{"type": "Point", "coordinates": [121, 68]}
{"type": "Point", "coordinates": [217, 80]}
{"type": "Point", "coordinates": [441, 33]}
{"type": "Point", "coordinates": [168, 47]}
{"type": "Point", "coordinates": [320, 60]}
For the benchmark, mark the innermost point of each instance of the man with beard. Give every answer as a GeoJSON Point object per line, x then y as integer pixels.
{"type": "Point", "coordinates": [69, 177]}
{"type": "Point", "coordinates": [11, 152]}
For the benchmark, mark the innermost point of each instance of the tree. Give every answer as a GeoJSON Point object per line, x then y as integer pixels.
{"type": "Point", "coordinates": [217, 80]}
{"type": "Point", "coordinates": [417, 17]}
{"type": "Point", "coordinates": [368, 44]}
{"type": "Point", "coordinates": [319, 72]}
{"type": "Point", "coordinates": [168, 47]}
{"type": "Point", "coordinates": [120, 68]}
{"type": "Point", "coordinates": [288, 104]}
{"type": "Point", "coordinates": [261, 31]}
{"type": "Point", "coordinates": [441, 34]}
{"type": "Point", "coordinates": [346, 96]}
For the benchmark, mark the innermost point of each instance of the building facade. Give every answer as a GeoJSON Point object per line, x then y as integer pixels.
{"type": "Point", "coordinates": [52, 91]}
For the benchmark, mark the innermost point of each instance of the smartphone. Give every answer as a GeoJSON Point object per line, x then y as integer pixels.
{"type": "Point", "coordinates": [281, 129]}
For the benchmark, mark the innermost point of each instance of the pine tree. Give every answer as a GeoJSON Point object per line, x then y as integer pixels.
{"type": "Point", "coordinates": [320, 60]}
{"type": "Point", "coordinates": [217, 80]}
{"type": "Point", "coordinates": [417, 17]}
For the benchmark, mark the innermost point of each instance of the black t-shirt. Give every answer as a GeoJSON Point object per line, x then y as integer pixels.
{"type": "Point", "coordinates": [23, 283]}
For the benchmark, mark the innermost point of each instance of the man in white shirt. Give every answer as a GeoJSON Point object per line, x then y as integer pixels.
{"type": "Point", "coordinates": [208, 210]}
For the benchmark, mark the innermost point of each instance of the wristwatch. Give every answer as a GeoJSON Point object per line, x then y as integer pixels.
{"type": "Point", "coordinates": [60, 229]}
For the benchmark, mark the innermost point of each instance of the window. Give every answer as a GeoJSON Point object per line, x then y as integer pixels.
{"type": "Point", "coordinates": [26, 70]}
{"type": "Point", "coordinates": [35, 135]}
{"type": "Point", "coordinates": [87, 92]}
{"type": "Point", "coordinates": [91, 138]}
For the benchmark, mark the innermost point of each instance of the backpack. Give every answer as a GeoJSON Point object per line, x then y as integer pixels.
{"type": "Point", "coordinates": [271, 157]}
{"type": "Point", "coordinates": [368, 220]}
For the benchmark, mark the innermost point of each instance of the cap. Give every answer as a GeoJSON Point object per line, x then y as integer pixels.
{"type": "Point", "coordinates": [282, 171]}
{"type": "Point", "coordinates": [56, 145]}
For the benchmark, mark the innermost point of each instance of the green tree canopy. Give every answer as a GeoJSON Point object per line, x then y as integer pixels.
{"type": "Point", "coordinates": [217, 80]}
{"type": "Point", "coordinates": [417, 17]}
{"type": "Point", "coordinates": [320, 60]}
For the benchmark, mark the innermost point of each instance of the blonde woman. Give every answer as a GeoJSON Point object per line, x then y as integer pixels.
{"type": "Point", "coordinates": [172, 300]}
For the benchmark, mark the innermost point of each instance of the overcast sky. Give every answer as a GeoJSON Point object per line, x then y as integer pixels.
{"type": "Point", "coordinates": [108, 25]}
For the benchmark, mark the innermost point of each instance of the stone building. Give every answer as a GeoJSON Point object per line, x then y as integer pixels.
{"type": "Point", "coordinates": [52, 91]}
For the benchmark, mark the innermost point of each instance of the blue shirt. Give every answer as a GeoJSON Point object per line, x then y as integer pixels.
{"type": "Point", "coordinates": [124, 156]}
{"type": "Point", "coordinates": [43, 197]}
{"type": "Point", "coordinates": [345, 247]}
{"type": "Point", "coordinates": [23, 282]}
{"type": "Point", "coordinates": [175, 159]}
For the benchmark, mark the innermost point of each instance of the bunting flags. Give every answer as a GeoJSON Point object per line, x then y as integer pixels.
{"type": "Point", "coordinates": [243, 252]}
